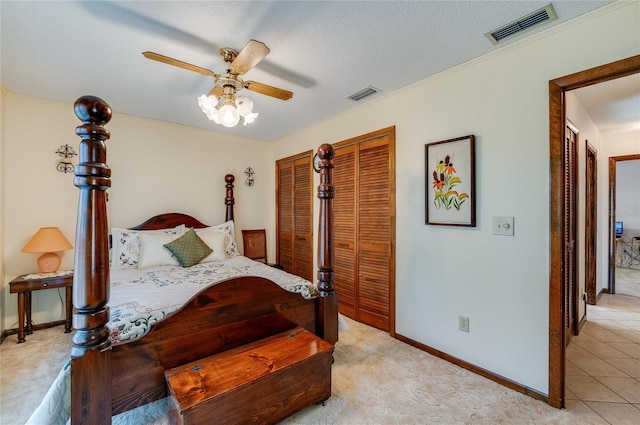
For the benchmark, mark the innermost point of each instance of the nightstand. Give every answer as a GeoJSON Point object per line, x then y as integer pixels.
{"type": "Point", "coordinates": [25, 284]}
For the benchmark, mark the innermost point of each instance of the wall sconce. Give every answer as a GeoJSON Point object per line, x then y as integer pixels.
{"type": "Point", "coordinates": [250, 173]}
{"type": "Point", "coordinates": [65, 152]}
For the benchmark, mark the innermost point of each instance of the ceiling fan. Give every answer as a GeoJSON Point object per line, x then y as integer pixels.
{"type": "Point", "coordinates": [221, 104]}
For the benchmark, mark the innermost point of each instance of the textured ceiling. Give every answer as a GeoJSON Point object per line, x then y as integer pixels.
{"type": "Point", "coordinates": [613, 105]}
{"type": "Point", "coordinates": [323, 51]}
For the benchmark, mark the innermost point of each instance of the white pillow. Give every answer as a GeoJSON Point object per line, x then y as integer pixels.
{"type": "Point", "coordinates": [152, 251]}
{"type": "Point", "coordinates": [215, 241]}
{"type": "Point", "coordinates": [228, 229]}
{"type": "Point", "coordinates": [126, 245]}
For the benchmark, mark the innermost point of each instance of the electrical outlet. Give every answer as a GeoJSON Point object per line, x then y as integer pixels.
{"type": "Point", "coordinates": [463, 323]}
{"type": "Point", "coordinates": [503, 226]}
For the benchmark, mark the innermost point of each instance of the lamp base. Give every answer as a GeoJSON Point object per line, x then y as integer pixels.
{"type": "Point", "coordinates": [49, 262]}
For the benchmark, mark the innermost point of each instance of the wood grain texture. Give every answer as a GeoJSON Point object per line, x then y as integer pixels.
{"type": "Point", "coordinates": [365, 227]}
{"type": "Point", "coordinates": [224, 316]}
{"type": "Point", "coordinates": [91, 354]}
{"type": "Point", "coordinates": [258, 383]}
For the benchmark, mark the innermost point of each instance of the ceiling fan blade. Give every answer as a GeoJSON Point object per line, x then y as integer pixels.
{"type": "Point", "coordinates": [249, 57]}
{"type": "Point", "coordinates": [268, 90]}
{"type": "Point", "coordinates": [217, 91]}
{"type": "Point", "coordinates": [179, 64]}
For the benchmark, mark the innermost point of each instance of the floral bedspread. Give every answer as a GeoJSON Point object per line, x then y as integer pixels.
{"type": "Point", "coordinates": [141, 297]}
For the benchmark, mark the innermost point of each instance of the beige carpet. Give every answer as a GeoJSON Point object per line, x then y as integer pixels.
{"type": "Point", "coordinates": [376, 380]}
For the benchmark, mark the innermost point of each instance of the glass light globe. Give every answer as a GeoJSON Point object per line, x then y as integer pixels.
{"type": "Point", "coordinates": [228, 115]}
{"type": "Point", "coordinates": [207, 102]}
{"type": "Point", "coordinates": [212, 114]}
{"type": "Point", "coordinates": [249, 118]}
{"type": "Point", "coordinates": [244, 105]}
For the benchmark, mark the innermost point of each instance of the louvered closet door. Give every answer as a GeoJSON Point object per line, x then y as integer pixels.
{"type": "Point", "coordinates": [344, 228]}
{"type": "Point", "coordinates": [285, 216]}
{"type": "Point", "coordinates": [364, 231]}
{"type": "Point", "coordinates": [374, 233]}
{"type": "Point", "coordinates": [294, 221]}
{"type": "Point", "coordinates": [302, 219]}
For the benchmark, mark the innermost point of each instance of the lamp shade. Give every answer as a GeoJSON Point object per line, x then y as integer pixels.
{"type": "Point", "coordinates": [47, 239]}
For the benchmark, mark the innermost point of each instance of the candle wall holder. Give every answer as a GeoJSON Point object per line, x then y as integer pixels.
{"type": "Point", "coordinates": [250, 173]}
{"type": "Point", "coordinates": [65, 165]}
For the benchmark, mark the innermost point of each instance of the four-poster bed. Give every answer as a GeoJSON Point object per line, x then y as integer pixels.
{"type": "Point", "coordinates": [107, 379]}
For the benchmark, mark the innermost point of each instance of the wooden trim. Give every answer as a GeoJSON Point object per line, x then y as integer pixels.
{"type": "Point", "coordinates": [591, 223]}
{"type": "Point", "coordinates": [557, 120]}
{"type": "Point", "coordinates": [581, 323]}
{"type": "Point", "coordinates": [602, 292]}
{"type": "Point", "coordinates": [475, 369]}
{"type": "Point", "coordinates": [611, 274]}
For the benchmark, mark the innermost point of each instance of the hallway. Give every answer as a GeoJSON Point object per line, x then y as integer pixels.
{"type": "Point", "coordinates": [603, 362]}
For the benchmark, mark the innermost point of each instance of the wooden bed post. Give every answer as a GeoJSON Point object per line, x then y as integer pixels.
{"type": "Point", "coordinates": [328, 311]}
{"type": "Point", "coordinates": [91, 352]}
{"type": "Point", "coordinates": [228, 200]}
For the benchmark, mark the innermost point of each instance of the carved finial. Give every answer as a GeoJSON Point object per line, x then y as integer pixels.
{"type": "Point", "coordinates": [92, 110]}
{"type": "Point", "coordinates": [325, 152]}
{"type": "Point", "coordinates": [94, 114]}
{"type": "Point", "coordinates": [229, 178]}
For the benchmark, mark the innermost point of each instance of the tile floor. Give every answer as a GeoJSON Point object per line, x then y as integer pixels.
{"type": "Point", "coordinates": [603, 362]}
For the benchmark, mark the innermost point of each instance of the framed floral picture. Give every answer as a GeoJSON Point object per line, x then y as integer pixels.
{"type": "Point", "coordinates": [450, 197]}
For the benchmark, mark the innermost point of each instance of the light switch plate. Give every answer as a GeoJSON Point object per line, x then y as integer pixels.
{"type": "Point", "coordinates": [503, 226]}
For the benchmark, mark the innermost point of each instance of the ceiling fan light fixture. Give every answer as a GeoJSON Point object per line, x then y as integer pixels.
{"type": "Point", "coordinates": [207, 102]}
{"type": "Point", "coordinates": [229, 109]}
{"type": "Point", "coordinates": [249, 118]}
{"type": "Point", "coordinates": [244, 105]}
{"type": "Point", "coordinates": [228, 114]}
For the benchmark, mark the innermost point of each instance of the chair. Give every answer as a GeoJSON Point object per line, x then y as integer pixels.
{"type": "Point", "coordinates": [255, 246]}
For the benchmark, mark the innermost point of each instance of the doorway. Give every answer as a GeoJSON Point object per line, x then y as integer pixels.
{"type": "Point", "coordinates": [557, 196]}
{"type": "Point", "coordinates": [613, 239]}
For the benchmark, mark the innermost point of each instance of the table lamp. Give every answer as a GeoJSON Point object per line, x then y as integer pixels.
{"type": "Point", "coordinates": [48, 240]}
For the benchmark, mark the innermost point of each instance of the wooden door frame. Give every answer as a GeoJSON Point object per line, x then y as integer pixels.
{"type": "Point", "coordinates": [557, 124]}
{"type": "Point", "coordinates": [611, 273]}
{"type": "Point", "coordinates": [574, 320]}
{"type": "Point", "coordinates": [591, 225]}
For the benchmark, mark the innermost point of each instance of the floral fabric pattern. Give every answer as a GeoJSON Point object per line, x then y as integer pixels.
{"type": "Point", "coordinates": [126, 245]}
{"type": "Point", "coordinates": [142, 297]}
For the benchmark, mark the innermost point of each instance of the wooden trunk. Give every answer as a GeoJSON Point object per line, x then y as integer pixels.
{"type": "Point", "coordinates": [258, 383]}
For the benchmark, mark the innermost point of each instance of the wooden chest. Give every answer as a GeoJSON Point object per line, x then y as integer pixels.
{"type": "Point", "coordinates": [259, 383]}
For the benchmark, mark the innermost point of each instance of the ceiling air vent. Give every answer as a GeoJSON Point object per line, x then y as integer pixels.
{"type": "Point", "coordinates": [364, 93]}
{"type": "Point", "coordinates": [530, 21]}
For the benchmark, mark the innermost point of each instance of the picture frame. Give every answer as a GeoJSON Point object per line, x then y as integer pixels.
{"type": "Point", "coordinates": [450, 195]}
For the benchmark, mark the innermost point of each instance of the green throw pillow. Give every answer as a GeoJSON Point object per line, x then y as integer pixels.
{"type": "Point", "coordinates": [189, 249]}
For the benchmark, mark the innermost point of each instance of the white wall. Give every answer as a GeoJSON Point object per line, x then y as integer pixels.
{"type": "Point", "coordinates": [156, 167]}
{"type": "Point", "coordinates": [3, 92]}
{"type": "Point", "coordinates": [587, 131]}
{"type": "Point", "coordinates": [500, 283]}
